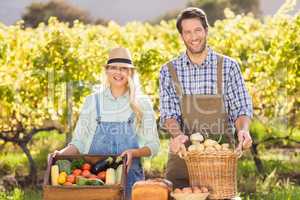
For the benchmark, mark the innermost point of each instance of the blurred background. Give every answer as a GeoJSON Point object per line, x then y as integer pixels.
{"type": "Point", "coordinates": [51, 58]}
{"type": "Point", "coordinates": [123, 12]}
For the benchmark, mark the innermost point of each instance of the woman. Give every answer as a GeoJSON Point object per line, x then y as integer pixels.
{"type": "Point", "coordinates": [118, 119]}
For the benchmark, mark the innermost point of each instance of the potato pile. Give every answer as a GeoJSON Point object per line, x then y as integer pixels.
{"type": "Point", "coordinates": [208, 146]}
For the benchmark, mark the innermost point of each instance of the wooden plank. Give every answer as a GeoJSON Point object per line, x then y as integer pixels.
{"type": "Point", "coordinates": [71, 193]}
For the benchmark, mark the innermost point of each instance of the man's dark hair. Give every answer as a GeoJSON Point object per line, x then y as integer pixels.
{"type": "Point", "coordinates": [191, 13]}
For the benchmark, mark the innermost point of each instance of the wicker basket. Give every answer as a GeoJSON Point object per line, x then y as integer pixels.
{"type": "Point", "coordinates": [216, 171]}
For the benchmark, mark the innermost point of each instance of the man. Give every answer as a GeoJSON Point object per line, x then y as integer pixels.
{"type": "Point", "coordinates": [201, 91]}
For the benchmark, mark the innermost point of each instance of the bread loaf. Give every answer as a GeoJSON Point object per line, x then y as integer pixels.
{"type": "Point", "coordinates": [153, 189]}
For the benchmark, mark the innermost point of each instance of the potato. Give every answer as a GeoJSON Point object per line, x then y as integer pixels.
{"type": "Point", "coordinates": [200, 147]}
{"type": "Point", "coordinates": [210, 149]}
{"type": "Point", "coordinates": [196, 189]}
{"type": "Point", "coordinates": [227, 150]}
{"type": "Point", "coordinates": [225, 146]}
{"type": "Point", "coordinates": [209, 142]}
{"type": "Point", "coordinates": [204, 189]}
{"type": "Point", "coordinates": [218, 147]}
{"type": "Point", "coordinates": [196, 138]}
{"type": "Point", "coordinates": [177, 190]}
{"type": "Point", "coordinates": [224, 149]}
{"type": "Point", "coordinates": [192, 148]}
{"type": "Point", "coordinates": [187, 190]}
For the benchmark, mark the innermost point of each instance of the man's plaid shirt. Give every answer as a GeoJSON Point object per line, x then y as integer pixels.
{"type": "Point", "coordinates": [202, 79]}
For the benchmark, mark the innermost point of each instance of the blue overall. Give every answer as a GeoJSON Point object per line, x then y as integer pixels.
{"type": "Point", "coordinates": [112, 138]}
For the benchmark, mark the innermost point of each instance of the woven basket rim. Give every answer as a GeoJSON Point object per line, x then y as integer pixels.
{"type": "Point", "coordinates": [212, 154]}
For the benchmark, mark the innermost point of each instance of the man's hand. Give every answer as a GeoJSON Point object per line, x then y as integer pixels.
{"type": "Point", "coordinates": [245, 140]}
{"type": "Point", "coordinates": [175, 143]}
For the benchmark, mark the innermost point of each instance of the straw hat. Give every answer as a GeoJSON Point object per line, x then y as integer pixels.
{"type": "Point", "coordinates": [120, 57]}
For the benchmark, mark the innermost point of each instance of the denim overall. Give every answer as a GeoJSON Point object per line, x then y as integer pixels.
{"type": "Point", "coordinates": [112, 138]}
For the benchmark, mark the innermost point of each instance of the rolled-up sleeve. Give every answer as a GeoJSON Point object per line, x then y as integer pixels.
{"type": "Point", "coordinates": [169, 102]}
{"type": "Point", "coordinates": [147, 134]}
{"type": "Point", "coordinates": [83, 126]}
{"type": "Point", "coordinates": [237, 97]}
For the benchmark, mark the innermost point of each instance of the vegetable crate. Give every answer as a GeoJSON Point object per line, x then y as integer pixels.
{"type": "Point", "coordinates": [83, 192]}
{"type": "Point", "coordinates": [216, 171]}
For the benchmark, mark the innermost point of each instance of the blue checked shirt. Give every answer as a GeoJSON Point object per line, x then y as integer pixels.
{"type": "Point", "coordinates": [202, 79]}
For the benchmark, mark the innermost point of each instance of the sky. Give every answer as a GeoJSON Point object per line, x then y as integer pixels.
{"type": "Point", "coordinates": [121, 11]}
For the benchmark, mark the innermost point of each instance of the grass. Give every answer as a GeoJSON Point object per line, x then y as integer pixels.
{"type": "Point", "coordinates": [19, 194]}
{"type": "Point", "coordinates": [13, 159]}
{"type": "Point", "coordinates": [12, 163]}
{"type": "Point", "coordinates": [156, 166]}
{"type": "Point", "coordinates": [16, 194]}
{"type": "Point", "coordinates": [280, 194]}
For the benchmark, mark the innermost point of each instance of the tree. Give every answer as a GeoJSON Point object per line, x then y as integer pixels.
{"type": "Point", "coordinates": [214, 9]}
{"type": "Point", "coordinates": [32, 92]}
{"type": "Point", "coordinates": [100, 21]}
{"type": "Point", "coordinates": [41, 12]}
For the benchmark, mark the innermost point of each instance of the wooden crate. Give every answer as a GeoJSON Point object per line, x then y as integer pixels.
{"type": "Point", "coordinates": [103, 192]}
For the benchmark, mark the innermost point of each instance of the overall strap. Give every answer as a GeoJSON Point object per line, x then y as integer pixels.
{"type": "Point", "coordinates": [98, 117]}
{"type": "Point", "coordinates": [220, 60]}
{"type": "Point", "coordinates": [175, 80]}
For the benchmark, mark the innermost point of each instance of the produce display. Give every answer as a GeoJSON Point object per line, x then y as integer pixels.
{"type": "Point", "coordinates": [207, 146]}
{"type": "Point", "coordinates": [80, 173]}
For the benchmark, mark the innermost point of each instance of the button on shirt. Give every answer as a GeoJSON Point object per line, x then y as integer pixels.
{"type": "Point", "coordinates": [202, 79]}
{"type": "Point", "coordinates": [115, 110]}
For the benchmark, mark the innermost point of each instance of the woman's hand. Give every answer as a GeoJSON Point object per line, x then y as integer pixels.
{"type": "Point", "coordinates": [68, 150]}
{"type": "Point", "coordinates": [130, 154]}
{"type": "Point", "coordinates": [135, 153]}
{"type": "Point", "coordinates": [55, 153]}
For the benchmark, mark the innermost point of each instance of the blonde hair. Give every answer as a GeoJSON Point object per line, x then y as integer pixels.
{"type": "Point", "coordinates": [134, 89]}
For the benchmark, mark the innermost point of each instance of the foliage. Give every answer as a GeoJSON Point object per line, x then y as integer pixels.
{"type": "Point", "coordinates": [214, 9]}
{"type": "Point", "coordinates": [36, 64]}
{"type": "Point", "coordinates": [38, 12]}
{"type": "Point", "coordinates": [16, 194]}
{"type": "Point", "coordinates": [269, 57]}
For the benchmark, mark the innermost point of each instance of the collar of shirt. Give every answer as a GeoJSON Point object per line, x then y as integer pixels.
{"type": "Point", "coordinates": [207, 62]}
{"type": "Point", "coordinates": [107, 93]}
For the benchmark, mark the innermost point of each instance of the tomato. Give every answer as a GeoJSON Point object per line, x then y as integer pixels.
{"type": "Point", "coordinates": [76, 172]}
{"type": "Point", "coordinates": [86, 166]}
{"type": "Point", "coordinates": [68, 183]}
{"type": "Point", "coordinates": [85, 173]}
{"type": "Point", "coordinates": [102, 175]}
{"type": "Point", "coordinates": [71, 178]}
